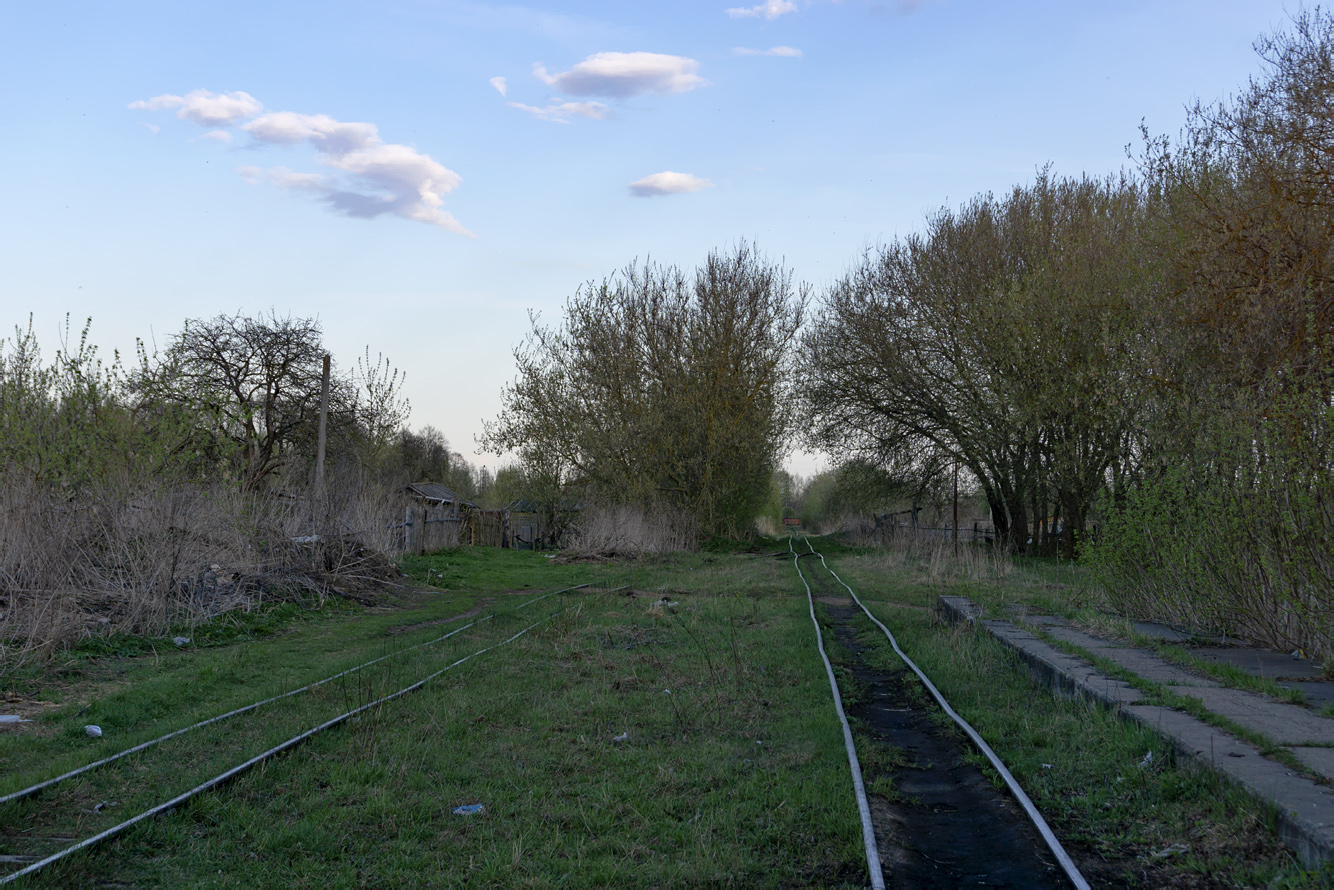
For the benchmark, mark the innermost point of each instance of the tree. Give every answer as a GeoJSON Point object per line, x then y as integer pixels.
{"type": "Point", "coordinates": [254, 382]}
{"type": "Point", "coordinates": [1001, 338]}
{"type": "Point", "coordinates": [1228, 523]}
{"type": "Point", "coordinates": [663, 387]}
{"type": "Point", "coordinates": [252, 386]}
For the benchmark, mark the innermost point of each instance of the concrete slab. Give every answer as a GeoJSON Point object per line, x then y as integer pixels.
{"type": "Point", "coordinates": [1319, 759]}
{"type": "Point", "coordinates": [1161, 632]}
{"type": "Point", "coordinates": [1069, 675]}
{"type": "Point", "coordinates": [1044, 620]}
{"type": "Point", "coordinates": [1284, 723]}
{"type": "Point", "coordinates": [1318, 694]}
{"type": "Point", "coordinates": [958, 608]}
{"type": "Point", "coordinates": [1151, 667]}
{"type": "Point", "coordinates": [1263, 663]}
{"type": "Point", "coordinates": [1084, 640]}
{"type": "Point", "coordinates": [1305, 810]}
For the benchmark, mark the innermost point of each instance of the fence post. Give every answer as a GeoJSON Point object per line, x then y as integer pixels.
{"type": "Point", "coordinates": [407, 530]}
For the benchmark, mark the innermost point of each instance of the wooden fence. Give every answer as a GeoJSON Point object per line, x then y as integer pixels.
{"type": "Point", "coordinates": [427, 528]}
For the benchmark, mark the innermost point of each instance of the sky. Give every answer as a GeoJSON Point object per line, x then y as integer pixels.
{"type": "Point", "coordinates": [421, 176]}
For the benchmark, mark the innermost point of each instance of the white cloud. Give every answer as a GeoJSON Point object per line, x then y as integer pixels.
{"type": "Point", "coordinates": [153, 128]}
{"type": "Point", "coordinates": [320, 130]}
{"type": "Point", "coordinates": [667, 183]}
{"type": "Point", "coordinates": [501, 85]}
{"type": "Point", "coordinates": [385, 177]}
{"type": "Point", "coordinates": [377, 177]}
{"type": "Point", "coordinates": [620, 75]}
{"type": "Point", "coordinates": [785, 51]}
{"type": "Point", "coordinates": [769, 9]}
{"type": "Point", "coordinates": [205, 108]}
{"type": "Point", "coordinates": [561, 112]}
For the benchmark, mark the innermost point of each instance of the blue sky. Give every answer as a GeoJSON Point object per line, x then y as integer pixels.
{"type": "Point", "coordinates": [358, 162]}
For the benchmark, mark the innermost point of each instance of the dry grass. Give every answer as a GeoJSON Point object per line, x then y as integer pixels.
{"type": "Point", "coordinates": [144, 559]}
{"type": "Point", "coordinates": [936, 559]}
{"type": "Point", "coordinates": [630, 531]}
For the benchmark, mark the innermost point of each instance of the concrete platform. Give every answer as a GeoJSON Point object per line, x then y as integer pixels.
{"type": "Point", "coordinates": [1284, 723]}
{"type": "Point", "coordinates": [1305, 808]}
{"type": "Point", "coordinates": [1318, 694]}
{"type": "Point", "coordinates": [1319, 759]}
{"type": "Point", "coordinates": [1263, 663]}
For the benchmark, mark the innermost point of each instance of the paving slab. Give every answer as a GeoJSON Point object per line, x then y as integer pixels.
{"type": "Point", "coordinates": [1304, 808]}
{"type": "Point", "coordinates": [1044, 620]}
{"type": "Point", "coordinates": [1263, 663]}
{"type": "Point", "coordinates": [1080, 638]}
{"type": "Point", "coordinates": [1068, 674]}
{"type": "Point", "coordinates": [1317, 694]}
{"type": "Point", "coordinates": [1151, 667]}
{"type": "Point", "coordinates": [1319, 759]}
{"type": "Point", "coordinates": [1161, 632]}
{"type": "Point", "coordinates": [1284, 723]}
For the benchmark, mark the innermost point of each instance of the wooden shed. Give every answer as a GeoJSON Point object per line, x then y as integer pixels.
{"type": "Point", "coordinates": [432, 517]}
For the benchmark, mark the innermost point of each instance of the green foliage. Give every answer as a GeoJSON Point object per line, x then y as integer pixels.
{"type": "Point", "coordinates": [66, 423]}
{"type": "Point", "coordinates": [1236, 535]}
{"type": "Point", "coordinates": [662, 388]}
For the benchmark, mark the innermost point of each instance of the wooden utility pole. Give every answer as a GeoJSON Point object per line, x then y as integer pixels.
{"type": "Point", "coordinates": [956, 507]}
{"type": "Point", "coordinates": [324, 430]}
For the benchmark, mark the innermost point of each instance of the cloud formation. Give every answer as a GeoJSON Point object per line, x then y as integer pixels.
{"type": "Point", "coordinates": [561, 112]}
{"type": "Point", "coordinates": [372, 177]}
{"type": "Point", "coordinates": [769, 10]}
{"type": "Point", "coordinates": [385, 178]}
{"type": "Point", "coordinates": [785, 51]}
{"type": "Point", "coordinates": [667, 183]}
{"type": "Point", "coordinates": [205, 108]}
{"type": "Point", "coordinates": [621, 75]}
{"type": "Point", "coordinates": [501, 85]}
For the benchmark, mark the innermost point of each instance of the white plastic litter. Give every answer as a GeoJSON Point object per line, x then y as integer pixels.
{"type": "Point", "coordinates": [13, 718]}
{"type": "Point", "coordinates": [93, 732]}
{"type": "Point", "coordinates": [622, 737]}
{"type": "Point", "coordinates": [181, 641]}
{"type": "Point", "coordinates": [1147, 761]}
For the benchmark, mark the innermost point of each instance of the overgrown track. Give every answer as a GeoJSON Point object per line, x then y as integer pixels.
{"type": "Point", "coordinates": [25, 806]}
{"type": "Point", "coordinates": [943, 823]}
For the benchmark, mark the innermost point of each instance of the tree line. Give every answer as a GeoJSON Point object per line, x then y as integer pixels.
{"type": "Point", "coordinates": [1134, 366]}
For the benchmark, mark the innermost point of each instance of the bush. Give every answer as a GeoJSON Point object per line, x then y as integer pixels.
{"type": "Point", "coordinates": [1237, 536]}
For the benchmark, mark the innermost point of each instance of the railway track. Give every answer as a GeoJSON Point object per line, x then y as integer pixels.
{"type": "Point", "coordinates": [944, 825]}
{"type": "Point", "coordinates": [95, 797]}
{"type": "Point", "coordinates": [942, 822]}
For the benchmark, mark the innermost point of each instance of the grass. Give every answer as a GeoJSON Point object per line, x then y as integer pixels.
{"type": "Point", "coordinates": [1079, 763]}
{"type": "Point", "coordinates": [731, 771]}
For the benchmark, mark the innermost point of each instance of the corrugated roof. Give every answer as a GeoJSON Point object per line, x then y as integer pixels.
{"type": "Point", "coordinates": [433, 491]}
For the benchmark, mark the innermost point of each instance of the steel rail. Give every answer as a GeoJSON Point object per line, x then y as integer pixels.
{"type": "Point", "coordinates": [259, 758]}
{"type": "Point", "coordinates": [858, 785]}
{"type": "Point", "coordinates": [33, 789]}
{"type": "Point", "coordinates": [1053, 843]}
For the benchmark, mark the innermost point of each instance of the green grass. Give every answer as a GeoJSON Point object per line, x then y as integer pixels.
{"type": "Point", "coordinates": [1079, 763]}
{"type": "Point", "coordinates": [734, 776]}
{"type": "Point", "coordinates": [732, 772]}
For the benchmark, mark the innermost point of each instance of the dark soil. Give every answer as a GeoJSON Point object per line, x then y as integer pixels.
{"type": "Point", "coordinates": [946, 825]}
